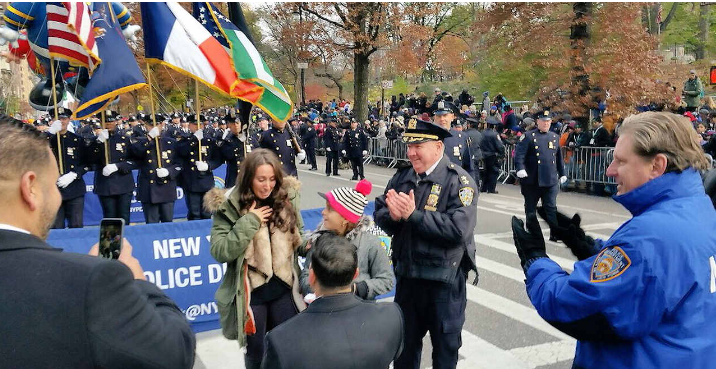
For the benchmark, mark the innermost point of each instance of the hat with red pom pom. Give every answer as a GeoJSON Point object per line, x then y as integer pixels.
{"type": "Point", "coordinates": [349, 202]}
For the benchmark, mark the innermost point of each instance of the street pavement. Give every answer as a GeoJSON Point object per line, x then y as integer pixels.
{"type": "Point", "coordinates": [502, 330]}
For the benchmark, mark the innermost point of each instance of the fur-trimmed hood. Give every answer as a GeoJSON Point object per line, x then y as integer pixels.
{"type": "Point", "coordinates": [215, 197]}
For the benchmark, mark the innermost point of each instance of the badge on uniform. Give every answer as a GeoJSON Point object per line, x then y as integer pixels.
{"type": "Point", "coordinates": [71, 151]}
{"type": "Point", "coordinates": [203, 150]}
{"type": "Point", "coordinates": [165, 155]}
{"type": "Point", "coordinates": [522, 137]}
{"type": "Point", "coordinates": [551, 145]}
{"type": "Point", "coordinates": [432, 203]}
{"type": "Point", "coordinates": [288, 143]}
{"type": "Point", "coordinates": [119, 147]}
{"type": "Point", "coordinates": [466, 195]}
{"type": "Point", "coordinates": [455, 151]}
{"type": "Point", "coordinates": [609, 264]}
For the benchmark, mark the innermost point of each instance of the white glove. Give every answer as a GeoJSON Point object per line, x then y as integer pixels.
{"type": "Point", "coordinates": [521, 173]}
{"type": "Point", "coordinates": [301, 155]}
{"type": "Point", "coordinates": [162, 172]}
{"type": "Point", "coordinates": [202, 166]}
{"type": "Point", "coordinates": [365, 152]}
{"type": "Point", "coordinates": [129, 32]}
{"type": "Point", "coordinates": [66, 179]}
{"type": "Point", "coordinates": [154, 132]}
{"type": "Point", "coordinates": [343, 152]}
{"type": "Point", "coordinates": [226, 133]}
{"type": "Point", "coordinates": [328, 149]}
{"type": "Point", "coordinates": [199, 134]}
{"type": "Point", "coordinates": [562, 179]}
{"type": "Point", "coordinates": [55, 127]}
{"type": "Point", "coordinates": [103, 136]}
{"type": "Point", "coordinates": [109, 169]}
{"type": "Point", "coordinates": [7, 34]}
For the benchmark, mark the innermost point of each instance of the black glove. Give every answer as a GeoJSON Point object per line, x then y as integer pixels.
{"type": "Point", "coordinates": [568, 231]}
{"type": "Point", "coordinates": [529, 243]}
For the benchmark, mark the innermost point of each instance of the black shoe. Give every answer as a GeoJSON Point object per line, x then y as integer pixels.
{"type": "Point", "coordinates": [328, 174]}
{"type": "Point", "coordinates": [313, 169]}
{"type": "Point", "coordinates": [495, 192]}
{"type": "Point", "coordinates": [354, 178]}
{"type": "Point", "coordinates": [362, 177]}
{"type": "Point", "coordinates": [483, 190]}
{"type": "Point", "coordinates": [336, 175]}
{"type": "Point", "coordinates": [553, 239]}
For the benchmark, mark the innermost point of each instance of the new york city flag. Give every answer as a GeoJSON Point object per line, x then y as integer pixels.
{"type": "Point", "coordinates": [118, 73]}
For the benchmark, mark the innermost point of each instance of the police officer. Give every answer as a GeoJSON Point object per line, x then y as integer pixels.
{"type": "Point", "coordinates": [308, 138]}
{"type": "Point", "coordinates": [539, 165]}
{"type": "Point", "coordinates": [430, 210]}
{"type": "Point", "coordinates": [158, 171]}
{"type": "Point", "coordinates": [355, 147]}
{"type": "Point", "coordinates": [457, 146]}
{"type": "Point", "coordinates": [474, 138]}
{"type": "Point", "coordinates": [86, 130]}
{"type": "Point", "coordinates": [331, 141]}
{"type": "Point", "coordinates": [233, 148]}
{"type": "Point", "coordinates": [113, 180]}
{"type": "Point", "coordinates": [263, 123]}
{"type": "Point", "coordinates": [645, 297]}
{"type": "Point", "coordinates": [280, 142]}
{"type": "Point", "coordinates": [72, 149]}
{"type": "Point", "coordinates": [199, 158]}
{"type": "Point", "coordinates": [138, 128]}
{"type": "Point", "coordinates": [493, 151]}
{"type": "Point", "coordinates": [173, 127]}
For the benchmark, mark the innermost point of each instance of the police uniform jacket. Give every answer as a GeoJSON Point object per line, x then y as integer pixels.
{"type": "Point", "coordinates": [539, 154]}
{"type": "Point", "coordinates": [491, 144]}
{"type": "Point", "coordinates": [74, 159]}
{"type": "Point", "coordinates": [438, 237]}
{"type": "Point", "coordinates": [648, 297]}
{"type": "Point", "coordinates": [139, 130]}
{"type": "Point", "coordinates": [192, 179]}
{"type": "Point", "coordinates": [121, 181]}
{"type": "Point", "coordinates": [457, 149]}
{"type": "Point", "coordinates": [151, 188]}
{"type": "Point", "coordinates": [475, 138]}
{"type": "Point", "coordinates": [331, 138]}
{"type": "Point", "coordinates": [232, 153]}
{"type": "Point", "coordinates": [354, 142]}
{"type": "Point", "coordinates": [308, 136]}
{"type": "Point", "coordinates": [279, 142]}
{"type": "Point", "coordinates": [86, 131]}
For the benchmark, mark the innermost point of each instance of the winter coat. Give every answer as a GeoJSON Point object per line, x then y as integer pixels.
{"type": "Point", "coordinates": [692, 92]}
{"type": "Point", "coordinates": [373, 263]}
{"type": "Point", "coordinates": [239, 239]}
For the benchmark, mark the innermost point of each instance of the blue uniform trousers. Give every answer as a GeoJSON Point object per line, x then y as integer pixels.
{"type": "Point", "coordinates": [154, 213]}
{"type": "Point", "coordinates": [533, 194]}
{"type": "Point", "coordinates": [436, 307]}
{"type": "Point", "coordinates": [331, 162]}
{"type": "Point", "coordinates": [195, 206]}
{"type": "Point", "coordinates": [116, 206]}
{"type": "Point", "coordinates": [73, 211]}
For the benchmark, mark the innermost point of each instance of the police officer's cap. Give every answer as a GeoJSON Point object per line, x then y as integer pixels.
{"type": "Point", "coordinates": [63, 113]}
{"type": "Point", "coordinates": [457, 123]}
{"type": "Point", "coordinates": [418, 130]}
{"type": "Point", "coordinates": [230, 118]}
{"type": "Point", "coordinates": [544, 115]}
{"type": "Point", "coordinates": [444, 107]}
{"type": "Point", "coordinates": [192, 118]}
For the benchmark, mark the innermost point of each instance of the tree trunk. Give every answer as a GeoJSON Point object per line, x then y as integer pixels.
{"type": "Point", "coordinates": [340, 90]}
{"type": "Point", "coordinates": [579, 36]}
{"type": "Point", "coordinates": [703, 31]}
{"type": "Point", "coordinates": [361, 64]}
{"type": "Point", "coordinates": [669, 16]}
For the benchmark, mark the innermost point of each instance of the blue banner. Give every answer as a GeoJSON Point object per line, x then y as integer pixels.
{"type": "Point", "coordinates": [177, 258]}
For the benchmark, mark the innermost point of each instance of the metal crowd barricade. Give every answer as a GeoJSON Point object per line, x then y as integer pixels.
{"type": "Point", "coordinates": [400, 151]}
{"type": "Point", "coordinates": [507, 169]}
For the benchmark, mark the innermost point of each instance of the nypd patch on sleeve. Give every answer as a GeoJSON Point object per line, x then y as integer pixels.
{"type": "Point", "coordinates": [609, 264]}
{"type": "Point", "coordinates": [466, 195]}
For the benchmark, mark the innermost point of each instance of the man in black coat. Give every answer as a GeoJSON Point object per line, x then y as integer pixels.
{"type": "Point", "coordinates": [309, 136]}
{"type": "Point", "coordinates": [331, 141]}
{"type": "Point", "coordinates": [493, 151]}
{"type": "Point", "coordinates": [67, 310]}
{"type": "Point", "coordinates": [338, 329]}
{"type": "Point", "coordinates": [355, 146]}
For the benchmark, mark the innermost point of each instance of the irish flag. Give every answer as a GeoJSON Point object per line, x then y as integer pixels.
{"type": "Point", "coordinates": [247, 62]}
{"type": "Point", "coordinates": [173, 37]}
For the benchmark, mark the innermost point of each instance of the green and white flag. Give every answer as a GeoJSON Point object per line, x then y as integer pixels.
{"type": "Point", "coordinates": [248, 63]}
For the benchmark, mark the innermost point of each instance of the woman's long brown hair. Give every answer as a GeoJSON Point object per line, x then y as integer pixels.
{"type": "Point", "coordinates": [278, 200]}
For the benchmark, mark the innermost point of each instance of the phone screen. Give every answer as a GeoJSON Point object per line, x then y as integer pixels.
{"type": "Point", "coordinates": [111, 232]}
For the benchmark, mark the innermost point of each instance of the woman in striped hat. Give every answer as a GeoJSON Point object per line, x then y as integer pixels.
{"type": "Point", "coordinates": [344, 216]}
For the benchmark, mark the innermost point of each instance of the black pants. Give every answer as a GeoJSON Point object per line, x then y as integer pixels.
{"type": "Point", "coordinates": [116, 206]}
{"type": "Point", "coordinates": [73, 211]}
{"type": "Point", "coordinates": [195, 206]}
{"type": "Point", "coordinates": [357, 165]}
{"type": "Point", "coordinates": [331, 162]}
{"type": "Point", "coordinates": [435, 307]}
{"type": "Point", "coordinates": [548, 195]}
{"type": "Point", "coordinates": [476, 173]}
{"type": "Point", "coordinates": [154, 213]}
{"type": "Point", "coordinates": [267, 316]}
{"type": "Point", "coordinates": [491, 173]}
{"type": "Point", "coordinates": [311, 156]}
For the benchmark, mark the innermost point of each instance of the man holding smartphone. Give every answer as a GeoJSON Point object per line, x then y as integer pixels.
{"type": "Point", "coordinates": [64, 309]}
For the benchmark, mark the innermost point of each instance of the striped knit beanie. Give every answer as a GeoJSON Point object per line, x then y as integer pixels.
{"type": "Point", "coordinates": [350, 202]}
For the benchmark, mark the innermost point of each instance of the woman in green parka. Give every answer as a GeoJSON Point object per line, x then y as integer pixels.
{"type": "Point", "coordinates": [256, 230]}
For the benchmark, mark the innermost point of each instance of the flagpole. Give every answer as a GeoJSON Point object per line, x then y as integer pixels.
{"type": "Point", "coordinates": [54, 99]}
{"type": "Point", "coordinates": [196, 95]}
{"type": "Point", "coordinates": [106, 143]}
{"type": "Point", "coordinates": [154, 116]}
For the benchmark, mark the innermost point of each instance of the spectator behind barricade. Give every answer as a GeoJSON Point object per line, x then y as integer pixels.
{"type": "Point", "coordinates": [693, 91]}
{"type": "Point", "coordinates": [344, 215]}
{"type": "Point", "coordinates": [66, 310]}
{"type": "Point", "coordinates": [338, 330]}
{"type": "Point", "coordinates": [256, 230]}
{"type": "Point", "coordinates": [509, 119]}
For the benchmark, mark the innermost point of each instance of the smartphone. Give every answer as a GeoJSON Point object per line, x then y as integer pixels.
{"type": "Point", "coordinates": [111, 233]}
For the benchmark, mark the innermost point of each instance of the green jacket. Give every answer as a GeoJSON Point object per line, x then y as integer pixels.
{"type": "Point", "coordinates": [230, 237]}
{"type": "Point", "coordinates": [692, 92]}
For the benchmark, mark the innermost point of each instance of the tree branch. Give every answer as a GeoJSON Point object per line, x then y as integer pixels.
{"type": "Point", "coordinates": [669, 16]}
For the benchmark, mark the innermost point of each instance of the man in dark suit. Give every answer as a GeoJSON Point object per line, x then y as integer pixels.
{"type": "Point", "coordinates": [338, 322]}
{"type": "Point", "coordinates": [66, 310]}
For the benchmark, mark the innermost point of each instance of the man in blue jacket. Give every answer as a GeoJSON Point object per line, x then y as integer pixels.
{"type": "Point", "coordinates": [646, 297]}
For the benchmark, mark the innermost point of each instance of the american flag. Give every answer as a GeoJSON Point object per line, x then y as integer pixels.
{"type": "Point", "coordinates": [70, 35]}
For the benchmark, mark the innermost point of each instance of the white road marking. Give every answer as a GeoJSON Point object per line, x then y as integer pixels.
{"type": "Point", "coordinates": [572, 207]}
{"type": "Point", "coordinates": [546, 353]}
{"type": "Point", "coordinates": [566, 264]}
{"type": "Point", "coordinates": [480, 354]}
